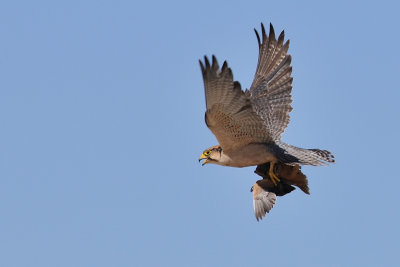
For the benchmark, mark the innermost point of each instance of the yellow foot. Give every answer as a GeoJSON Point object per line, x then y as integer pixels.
{"type": "Point", "coordinates": [272, 175]}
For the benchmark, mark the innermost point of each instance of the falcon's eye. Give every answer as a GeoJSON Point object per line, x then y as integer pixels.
{"type": "Point", "coordinates": [207, 153]}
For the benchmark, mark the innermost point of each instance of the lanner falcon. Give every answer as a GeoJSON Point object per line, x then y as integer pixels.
{"type": "Point", "coordinates": [249, 124]}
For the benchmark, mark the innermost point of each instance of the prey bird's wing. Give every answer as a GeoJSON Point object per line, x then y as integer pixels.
{"type": "Point", "coordinates": [263, 200]}
{"type": "Point", "coordinates": [270, 92]}
{"type": "Point", "coordinates": [229, 113]}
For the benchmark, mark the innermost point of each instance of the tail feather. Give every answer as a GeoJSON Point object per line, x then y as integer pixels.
{"type": "Point", "coordinates": [315, 157]}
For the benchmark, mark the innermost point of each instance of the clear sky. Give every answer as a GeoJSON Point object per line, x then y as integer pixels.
{"type": "Point", "coordinates": [102, 123]}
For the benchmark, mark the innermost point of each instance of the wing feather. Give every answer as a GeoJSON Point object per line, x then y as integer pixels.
{"type": "Point", "coordinates": [270, 92]}
{"type": "Point", "coordinates": [263, 200]}
{"type": "Point", "coordinates": [230, 115]}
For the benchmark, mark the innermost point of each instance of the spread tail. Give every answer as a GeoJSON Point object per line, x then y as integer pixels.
{"type": "Point", "coordinates": [315, 157]}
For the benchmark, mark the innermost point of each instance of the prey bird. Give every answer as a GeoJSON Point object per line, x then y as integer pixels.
{"type": "Point", "coordinates": [265, 191]}
{"type": "Point", "coordinates": [248, 124]}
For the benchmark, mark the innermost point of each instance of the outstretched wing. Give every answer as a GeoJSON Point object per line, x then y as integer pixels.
{"type": "Point", "coordinates": [229, 114]}
{"type": "Point", "coordinates": [263, 200]}
{"type": "Point", "coordinates": [270, 92]}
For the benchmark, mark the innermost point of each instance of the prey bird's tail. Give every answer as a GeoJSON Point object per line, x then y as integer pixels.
{"type": "Point", "coordinates": [315, 157]}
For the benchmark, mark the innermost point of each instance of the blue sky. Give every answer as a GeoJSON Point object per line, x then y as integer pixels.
{"type": "Point", "coordinates": [102, 122]}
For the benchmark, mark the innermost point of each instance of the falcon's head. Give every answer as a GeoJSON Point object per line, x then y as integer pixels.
{"type": "Point", "coordinates": [212, 155]}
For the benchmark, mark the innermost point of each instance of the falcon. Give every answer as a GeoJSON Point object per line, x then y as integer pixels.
{"type": "Point", "coordinates": [248, 124]}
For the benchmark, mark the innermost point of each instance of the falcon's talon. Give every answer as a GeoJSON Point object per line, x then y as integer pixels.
{"type": "Point", "coordinates": [275, 179]}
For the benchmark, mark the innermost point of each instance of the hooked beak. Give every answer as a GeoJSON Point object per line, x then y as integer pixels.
{"type": "Point", "coordinates": [205, 159]}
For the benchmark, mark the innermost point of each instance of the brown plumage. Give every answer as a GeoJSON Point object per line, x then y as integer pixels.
{"type": "Point", "coordinates": [248, 124]}
{"type": "Point", "coordinates": [288, 175]}
{"type": "Point", "coordinates": [265, 191]}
